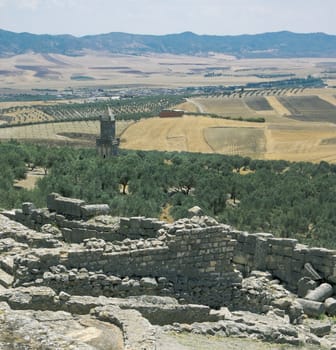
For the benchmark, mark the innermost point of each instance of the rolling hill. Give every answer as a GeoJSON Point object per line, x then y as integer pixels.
{"type": "Point", "coordinates": [267, 45]}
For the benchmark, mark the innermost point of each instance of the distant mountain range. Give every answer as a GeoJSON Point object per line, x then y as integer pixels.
{"type": "Point", "coordinates": [268, 45]}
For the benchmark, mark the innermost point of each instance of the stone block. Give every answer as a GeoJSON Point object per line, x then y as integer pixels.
{"type": "Point", "coordinates": [312, 308]}
{"type": "Point", "coordinates": [148, 283]}
{"type": "Point", "coordinates": [330, 305]}
{"type": "Point", "coordinates": [195, 211]}
{"type": "Point", "coordinates": [321, 293]}
{"type": "Point", "coordinates": [320, 329]}
{"type": "Point", "coordinates": [88, 211]}
{"type": "Point", "coordinates": [305, 284]}
{"type": "Point", "coordinates": [310, 272]}
{"type": "Point", "coordinates": [261, 251]}
{"type": "Point", "coordinates": [283, 242]}
{"type": "Point", "coordinates": [282, 250]}
{"type": "Point", "coordinates": [27, 208]}
{"type": "Point", "coordinates": [66, 206]}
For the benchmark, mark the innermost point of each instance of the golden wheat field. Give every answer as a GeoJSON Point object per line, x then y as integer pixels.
{"type": "Point", "coordinates": [280, 137]}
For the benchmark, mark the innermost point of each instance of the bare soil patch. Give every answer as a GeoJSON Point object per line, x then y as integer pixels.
{"type": "Point", "coordinates": [32, 177]}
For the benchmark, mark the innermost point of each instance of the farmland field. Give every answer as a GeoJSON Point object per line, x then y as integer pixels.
{"type": "Point", "coordinates": [258, 103]}
{"type": "Point", "coordinates": [241, 141]}
{"type": "Point", "coordinates": [226, 107]}
{"type": "Point", "coordinates": [309, 108]}
{"type": "Point", "coordinates": [299, 122]}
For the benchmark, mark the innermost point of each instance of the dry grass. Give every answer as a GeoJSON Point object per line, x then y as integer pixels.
{"type": "Point", "coordinates": [226, 107]}
{"type": "Point", "coordinates": [302, 142]}
{"type": "Point", "coordinates": [277, 106]}
{"type": "Point", "coordinates": [236, 141]}
{"type": "Point", "coordinates": [176, 134]}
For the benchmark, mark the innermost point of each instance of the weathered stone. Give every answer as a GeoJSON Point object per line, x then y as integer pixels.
{"type": "Point", "coordinates": [330, 305]}
{"type": "Point", "coordinates": [88, 211]}
{"type": "Point", "coordinates": [312, 308]}
{"type": "Point", "coordinates": [63, 205]}
{"type": "Point", "coordinates": [295, 313]}
{"type": "Point", "coordinates": [195, 211]}
{"type": "Point", "coordinates": [321, 293]}
{"type": "Point", "coordinates": [148, 282]}
{"type": "Point", "coordinates": [27, 208]}
{"type": "Point", "coordinates": [64, 296]}
{"type": "Point", "coordinates": [310, 272]}
{"type": "Point", "coordinates": [305, 284]}
{"type": "Point", "coordinates": [320, 328]}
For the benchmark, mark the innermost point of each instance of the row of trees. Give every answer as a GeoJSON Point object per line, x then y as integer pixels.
{"type": "Point", "coordinates": [287, 199]}
{"type": "Point", "coordinates": [132, 108]}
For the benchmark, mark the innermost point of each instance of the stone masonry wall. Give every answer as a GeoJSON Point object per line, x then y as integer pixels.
{"type": "Point", "coordinates": [75, 231]}
{"type": "Point", "coordinates": [198, 262]}
{"type": "Point", "coordinates": [285, 259]}
{"type": "Point", "coordinates": [197, 259]}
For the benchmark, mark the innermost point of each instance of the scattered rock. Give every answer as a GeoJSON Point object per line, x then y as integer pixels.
{"type": "Point", "coordinates": [195, 211]}
{"type": "Point", "coordinates": [320, 328]}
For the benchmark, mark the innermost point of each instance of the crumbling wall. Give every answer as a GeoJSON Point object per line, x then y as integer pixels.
{"type": "Point", "coordinates": [198, 263]}
{"type": "Point", "coordinates": [284, 258]}
{"type": "Point", "coordinates": [75, 231]}
{"type": "Point", "coordinates": [197, 257]}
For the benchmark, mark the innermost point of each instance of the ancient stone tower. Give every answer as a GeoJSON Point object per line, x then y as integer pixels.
{"type": "Point", "coordinates": [107, 144]}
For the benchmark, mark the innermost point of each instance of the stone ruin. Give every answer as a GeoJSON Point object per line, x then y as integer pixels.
{"type": "Point", "coordinates": [72, 268]}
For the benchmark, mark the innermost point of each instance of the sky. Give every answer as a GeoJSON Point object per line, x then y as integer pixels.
{"type": "Point", "coordinates": [220, 17]}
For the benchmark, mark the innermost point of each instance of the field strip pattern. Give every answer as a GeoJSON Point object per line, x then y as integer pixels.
{"type": "Point", "coordinates": [328, 98]}
{"type": "Point", "coordinates": [278, 106]}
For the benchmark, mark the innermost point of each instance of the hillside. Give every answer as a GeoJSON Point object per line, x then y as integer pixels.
{"type": "Point", "coordinates": [267, 45]}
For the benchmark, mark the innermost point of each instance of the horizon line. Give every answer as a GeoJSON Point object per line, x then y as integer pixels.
{"type": "Point", "coordinates": [167, 34]}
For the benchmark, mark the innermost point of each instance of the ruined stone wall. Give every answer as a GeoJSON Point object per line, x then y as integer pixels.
{"type": "Point", "coordinates": [75, 231]}
{"type": "Point", "coordinates": [196, 258]}
{"type": "Point", "coordinates": [285, 259]}
{"type": "Point", "coordinates": [196, 262]}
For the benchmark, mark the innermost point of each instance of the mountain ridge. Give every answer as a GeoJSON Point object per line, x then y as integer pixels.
{"type": "Point", "coordinates": [283, 44]}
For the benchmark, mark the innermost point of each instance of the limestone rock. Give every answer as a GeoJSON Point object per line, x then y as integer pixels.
{"type": "Point", "coordinates": [148, 282]}
{"type": "Point", "coordinates": [312, 308]}
{"type": "Point", "coordinates": [305, 284]}
{"type": "Point", "coordinates": [195, 211]}
{"type": "Point", "coordinates": [330, 305]}
{"type": "Point", "coordinates": [321, 293]}
{"type": "Point", "coordinates": [310, 272]}
{"type": "Point", "coordinates": [320, 328]}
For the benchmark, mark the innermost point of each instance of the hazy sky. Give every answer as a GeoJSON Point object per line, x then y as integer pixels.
{"type": "Point", "coordinates": [80, 17]}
